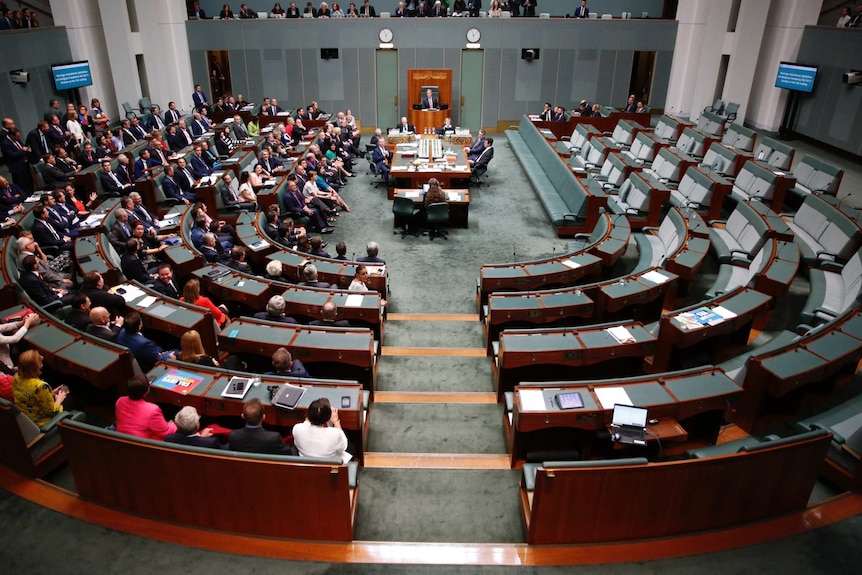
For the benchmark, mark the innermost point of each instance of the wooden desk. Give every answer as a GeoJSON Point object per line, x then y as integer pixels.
{"type": "Point", "coordinates": [545, 354]}
{"type": "Point", "coordinates": [635, 296]}
{"type": "Point", "coordinates": [336, 272]}
{"type": "Point", "coordinates": [407, 175]}
{"type": "Point", "coordinates": [458, 200]}
{"type": "Point", "coordinates": [564, 270]}
{"type": "Point", "coordinates": [427, 119]}
{"type": "Point", "coordinates": [206, 397]}
{"type": "Point", "coordinates": [340, 353]}
{"type": "Point", "coordinates": [237, 287]}
{"type": "Point", "coordinates": [690, 405]}
{"type": "Point", "coordinates": [746, 303]}
{"type": "Point", "coordinates": [95, 250]}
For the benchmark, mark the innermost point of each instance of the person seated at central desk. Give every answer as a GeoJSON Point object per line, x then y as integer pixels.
{"type": "Point", "coordinates": [404, 127]}
{"type": "Point", "coordinates": [446, 128]}
{"type": "Point", "coordinates": [429, 102]}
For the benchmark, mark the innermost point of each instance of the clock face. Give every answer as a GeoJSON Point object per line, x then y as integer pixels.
{"type": "Point", "coordinates": [473, 35]}
{"type": "Point", "coordinates": [386, 35]}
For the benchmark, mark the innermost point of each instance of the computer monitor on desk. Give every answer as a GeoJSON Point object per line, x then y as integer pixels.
{"type": "Point", "coordinates": [628, 424]}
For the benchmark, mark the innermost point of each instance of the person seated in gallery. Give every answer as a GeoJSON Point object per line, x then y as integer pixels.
{"type": "Point", "coordinates": [189, 432]}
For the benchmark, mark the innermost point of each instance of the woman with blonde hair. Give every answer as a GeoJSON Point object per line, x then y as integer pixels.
{"type": "Point", "coordinates": [33, 396]}
{"type": "Point", "coordinates": [192, 350]}
{"type": "Point", "coordinates": [192, 294]}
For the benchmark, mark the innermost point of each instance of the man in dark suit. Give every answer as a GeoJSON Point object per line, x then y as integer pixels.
{"type": "Point", "coordinates": [295, 203]}
{"type": "Point", "coordinates": [547, 114]}
{"type": "Point", "coordinates": [110, 180]}
{"type": "Point", "coordinates": [329, 313]}
{"type": "Point", "coordinates": [582, 11]}
{"type": "Point", "coordinates": [284, 365]}
{"type": "Point", "coordinates": [144, 165]}
{"type": "Point", "coordinates": [87, 157]}
{"type": "Point", "coordinates": [253, 438]}
{"type": "Point", "coordinates": [200, 98]}
{"type": "Point", "coordinates": [79, 317]}
{"type": "Point", "coordinates": [93, 285]}
{"type": "Point", "coordinates": [137, 129]}
{"type": "Point", "coordinates": [480, 164]}
{"type": "Point", "coordinates": [209, 248]}
{"type": "Point", "coordinates": [185, 178]}
{"type": "Point", "coordinates": [165, 284]}
{"type": "Point", "coordinates": [200, 124]}
{"type": "Point", "coordinates": [275, 311]}
{"type": "Point", "coordinates": [15, 154]}
{"type": "Point", "coordinates": [57, 136]}
{"type": "Point", "coordinates": [309, 273]}
{"type": "Point", "coordinates": [37, 141]}
{"type": "Point", "coordinates": [382, 159]}
{"type": "Point", "coordinates": [35, 286]}
{"type": "Point", "coordinates": [429, 102]}
{"type": "Point", "coordinates": [372, 249]}
{"type": "Point", "coordinates": [101, 325]}
{"type": "Point", "coordinates": [172, 115]}
{"type": "Point", "coordinates": [153, 120]}
{"type": "Point", "coordinates": [131, 265]}
{"type": "Point", "coordinates": [199, 166]}
{"type": "Point", "coordinates": [172, 188]}
{"type": "Point", "coordinates": [53, 175]}
{"type": "Point", "coordinates": [240, 133]}
{"type": "Point", "coordinates": [367, 9]}
{"type": "Point", "coordinates": [144, 350]}
{"type": "Point", "coordinates": [27, 246]}
{"type": "Point", "coordinates": [404, 127]}
{"type": "Point", "coordinates": [46, 234]}
{"type": "Point", "coordinates": [631, 105]}
{"type": "Point", "coordinates": [189, 431]}
{"type": "Point", "coordinates": [230, 197]}
{"type": "Point", "coordinates": [437, 11]}
{"type": "Point", "coordinates": [122, 170]}
{"type": "Point", "coordinates": [476, 148]}
{"type": "Point", "coordinates": [11, 197]}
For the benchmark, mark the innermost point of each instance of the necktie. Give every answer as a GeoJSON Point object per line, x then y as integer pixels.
{"type": "Point", "coordinates": [159, 124]}
{"type": "Point", "coordinates": [53, 231]}
{"type": "Point", "coordinates": [116, 180]}
{"type": "Point", "coordinates": [189, 176]}
{"type": "Point", "coordinates": [44, 143]}
{"type": "Point", "coordinates": [188, 137]}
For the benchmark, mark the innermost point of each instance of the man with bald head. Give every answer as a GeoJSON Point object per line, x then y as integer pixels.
{"type": "Point", "coordinates": [101, 325]}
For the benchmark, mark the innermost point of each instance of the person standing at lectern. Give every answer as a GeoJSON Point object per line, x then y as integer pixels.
{"type": "Point", "coordinates": [429, 102]}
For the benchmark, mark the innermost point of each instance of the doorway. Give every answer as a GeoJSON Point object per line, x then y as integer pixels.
{"type": "Point", "coordinates": [387, 88]}
{"type": "Point", "coordinates": [472, 82]}
{"type": "Point", "coordinates": [218, 64]}
{"type": "Point", "coordinates": [640, 83]}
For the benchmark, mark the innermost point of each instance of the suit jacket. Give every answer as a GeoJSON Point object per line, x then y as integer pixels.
{"type": "Point", "coordinates": [426, 105]}
{"type": "Point", "coordinates": [296, 370]}
{"type": "Point", "coordinates": [410, 128]}
{"type": "Point", "coordinates": [483, 158]}
{"type": "Point", "coordinates": [176, 141]}
{"type": "Point", "coordinates": [140, 212]}
{"type": "Point", "coordinates": [101, 298]}
{"type": "Point", "coordinates": [57, 137]}
{"type": "Point", "coordinates": [325, 323]}
{"type": "Point", "coordinates": [34, 142]}
{"type": "Point", "coordinates": [118, 236]}
{"type": "Point", "coordinates": [255, 440]}
{"type": "Point", "coordinates": [476, 148]}
{"type": "Point", "coordinates": [167, 289]}
{"type": "Point", "coordinates": [213, 256]}
{"type": "Point", "coordinates": [78, 319]}
{"type": "Point", "coordinates": [128, 137]}
{"type": "Point", "coordinates": [141, 167]}
{"type": "Point", "coordinates": [171, 188]}
{"type": "Point", "coordinates": [83, 159]}
{"type": "Point", "coordinates": [282, 319]}
{"type": "Point", "coordinates": [582, 12]}
{"type": "Point", "coordinates": [42, 234]}
{"type": "Point", "coordinates": [37, 289]}
{"type": "Point", "coordinates": [371, 12]}
{"type": "Point", "coordinates": [172, 117]}
{"type": "Point", "coordinates": [199, 127]}
{"type": "Point", "coordinates": [145, 351]}
{"type": "Point", "coordinates": [103, 331]}
{"type": "Point", "coordinates": [152, 122]}
{"type": "Point", "coordinates": [371, 260]}
{"type": "Point", "coordinates": [109, 185]}
{"type": "Point", "coordinates": [133, 268]}
{"type": "Point", "coordinates": [633, 107]}
{"type": "Point", "coordinates": [199, 167]}
{"type": "Point", "coordinates": [380, 160]}
{"type": "Point", "coordinates": [15, 156]}
{"type": "Point", "coordinates": [200, 99]}
{"type": "Point", "coordinates": [54, 175]}
{"type": "Point", "coordinates": [239, 131]}
{"type": "Point", "coordinates": [11, 196]}
{"type": "Point", "coordinates": [123, 174]}
{"type": "Point", "coordinates": [195, 440]}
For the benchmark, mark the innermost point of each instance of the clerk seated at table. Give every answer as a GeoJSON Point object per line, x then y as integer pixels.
{"type": "Point", "coordinates": [404, 127]}
{"type": "Point", "coordinates": [275, 310]}
{"type": "Point", "coordinates": [253, 438]}
{"type": "Point", "coordinates": [284, 364]}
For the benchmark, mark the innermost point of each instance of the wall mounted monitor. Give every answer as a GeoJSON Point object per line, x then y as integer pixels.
{"type": "Point", "coordinates": [798, 77]}
{"type": "Point", "coordinates": [72, 75]}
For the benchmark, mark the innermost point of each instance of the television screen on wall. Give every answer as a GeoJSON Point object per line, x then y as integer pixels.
{"type": "Point", "coordinates": [72, 75]}
{"type": "Point", "coordinates": [797, 77]}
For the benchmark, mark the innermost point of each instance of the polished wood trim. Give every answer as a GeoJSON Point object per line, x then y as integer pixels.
{"type": "Point", "coordinates": [62, 501]}
{"type": "Point", "coordinates": [432, 317]}
{"type": "Point", "coordinates": [436, 461]}
{"type": "Point", "coordinates": [474, 397]}
{"type": "Point", "coordinates": [731, 432]}
{"type": "Point", "coordinates": [434, 351]}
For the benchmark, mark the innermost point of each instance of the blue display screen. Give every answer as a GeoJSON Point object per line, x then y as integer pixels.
{"type": "Point", "coordinates": [72, 75]}
{"type": "Point", "coordinates": [795, 77]}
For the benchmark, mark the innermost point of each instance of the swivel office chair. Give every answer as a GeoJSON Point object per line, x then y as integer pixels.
{"type": "Point", "coordinates": [405, 214]}
{"type": "Point", "coordinates": [437, 215]}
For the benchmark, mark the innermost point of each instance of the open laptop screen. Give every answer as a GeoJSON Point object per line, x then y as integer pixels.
{"type": "Point", "coordinates": [630, 416]}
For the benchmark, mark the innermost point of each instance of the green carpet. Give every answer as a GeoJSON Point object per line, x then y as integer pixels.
{"type": "Point", "coordinates": [430, 505]}
{"type": "Point", "coordinates": [436, 428]}
{"type": "Point", "coordinates": [458, 334]}
{"type": "Point", "coordinates": [434, 374]}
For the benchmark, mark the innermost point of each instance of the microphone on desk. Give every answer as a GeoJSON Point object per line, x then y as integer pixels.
{"type": "Point", "coordinates": [554, 251]}
{"type": "Point", "coordinates": [353, 257]}
{"type": "Point", "coordinates": [514, 255]}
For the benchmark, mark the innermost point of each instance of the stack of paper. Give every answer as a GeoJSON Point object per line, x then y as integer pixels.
{"type": "Point", "coordinates": [610, 396]}
{"type": "Point", "coordinates": [531, 400]}
{"type": "Point", "coordinates": [621, 334]}
{"type": "Point", "coordinates": [655, 277]}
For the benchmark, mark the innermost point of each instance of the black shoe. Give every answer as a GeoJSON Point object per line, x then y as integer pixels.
{"type": "Point", "coordinates": [327, 230]}
{"type": "Point", "coordinates": [323, 245]}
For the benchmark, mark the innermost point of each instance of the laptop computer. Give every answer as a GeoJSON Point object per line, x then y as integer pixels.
{"type": "Point", "coordinates": [628, 424]}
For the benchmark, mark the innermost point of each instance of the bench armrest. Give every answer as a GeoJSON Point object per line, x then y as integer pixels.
{"type": "Point", "coordinates": [830, 266]}
{"type": "Point", "coordinates": [740, 261]}
{"type": "Point", "coordinates": [583, 237]}
{"type": "Point", "coordinates": [825, 314]}
{"type": "Point", "coordinates": [573, 217]}
{"type": "Point", "coordinates": [693, 205]}
{"type": "Point", "coordinates": [652, 229]}
{"type": "Point", "coordinates": [566, 138]}
{"type": "Point", "coordinates": [55, 420]}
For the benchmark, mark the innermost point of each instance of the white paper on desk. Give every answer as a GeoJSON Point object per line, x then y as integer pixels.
{"type": "Point", "coordinates": [621, 334]}
{"type": "Point", "coordinates": [531, 400]}
{"type": "Point", "coordinates": [453, 196]}
{"type": "Point", "coordinates": [217, 175]}
{"type": "Point", "coordinates": [353, 300]}
{"type": "Point", "coordinates": [655, 277]}
{"type": "Point", "coordinates": [571, 264]}
{"type": "Point", "coordinates": [610, 396]}
{"type": "Point", "coordinates": [259, 244]}
{"type": "Point", "coordinates": [230, 161]}
{"type": "Point", "coordinates": [171, 215]}
{"type": "Point", "coordinates": [92, 220]}
{"type": "Point", "coordinates": [147, 301]}
{"type": "Point", "coordinates": [413, 194]}
{"type": "Point", "coordinates": [723, 312]}
{"type": "Point", "coordinates": [132, 292]}
{"type": "Point", "coordinates": [376, 270]}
